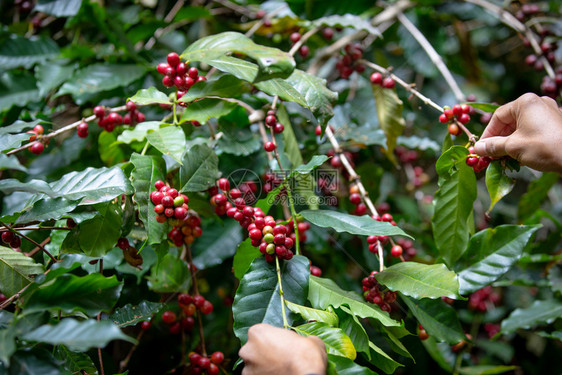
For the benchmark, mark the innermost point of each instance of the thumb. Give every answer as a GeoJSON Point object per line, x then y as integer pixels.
{"type": "Point", "coordinates": [491, 146]}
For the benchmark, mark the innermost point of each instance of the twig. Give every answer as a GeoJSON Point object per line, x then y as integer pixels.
{"type": "Point", "coordinates": [196, 288]}
{"type": "Point", "coordinates": [169, 17]}
{"type": "Point", "coordinates": [433, 55]}
{"type": "Point", "coordinates": [12, 298]}
{"type": "Point", "coordinates": [62, 130]}
{"type": "Point", "coordinates": [123, 364]}
{"type": "Point", "coordinates": [303, 40]}
{"type": "Point", "coordinates": [260, 23]}
{"type": "Point", "coordinates": [34, 228]}
{"type": "Point", "coordinates": [102, 372]}
{"type": "Point", "coordinates": [37, 248]}
{"type": "Point", "coordinates": [30, 240]}
{"type": "Point", "coordinates": [281, 295]}
{"type": "Point", "coordinates": [235, 7]}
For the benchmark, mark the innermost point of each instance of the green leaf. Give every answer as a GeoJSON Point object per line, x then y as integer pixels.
{"type": "Point", "coordinates": [68, 263]}
{"type": "Point", "coordinates": [345, 366]}
{"type": "Point", "coordinates": [498, 184]}
{"type": "Point", "coordinates": [77, 335]}
{"type": "Point", "coordinates": [336, 341]}
{"type": "Point", "coordinates": [342, 222]}
{"type": "Point", "coordinates": [11, 141]}
{"type": "Point", "coordinates": [168, 275]}
{"type": "Point", "coordinates": [7, 345]}
{"type": "Point", "coordinates": [47, 209]}
{"type": "Point", "coordinates": [383, 360]}
{"type": "Point", "coordinates": [306, 169]}
{"type": "Point", "coordinates": [389, 113]}
{"type": "Point", "coordinates": [109, 149]}
{"type": "Point", "coordinates": [486, 107]}
{"type": "Point", "coordinates": [441, 353]}
{"type": "Point", "coordinates": [130, 315]}
{"type": "Point", "coordinates": [419, 143]}
{"type": "Point", "coordinates": [347, 21]}
{"type": "Point", "coordinates": [540, 312]}
{"type": "Point", "coordinates": [19, 51]}
{"type": "Point", "coordinates": [169, 140]}
{"type": "Point", "coordinates": [309, 313]}
{"type": "Point", "coordinates": [490, 254]}
{"type": "Point", "coordinates": [257, 299]}
{"type": "Point", "coordinates": [226, 86]}
{"type": "Point", "coordinates": [150, 96]}
{"type": "Point", "coordinates": [204, 109]}
{"type": "Point", "coordinates": [453, 204]}
{"type": "Point", "coordinates": [486, 370]}
{"type": "Point", "coordinates": [272, 63]}
{"type": "Point", "coordinates": [101, 77]}
{"type": "Point", "coordinates": [16, 271]}
{"type": "Point", "coordinates": [33, 362]}
{"type": "Point", "coordinates": [420, 280]}
{"type": "Point", "coordinates": [58, 8]}
{"type": "Point", "coordinates": [199, 170]}
{"type": "Point", "coordinates": [319, 99]}
{"type": "Point", "coordinates": [50, 76]}
{"type": "Point", "coordinates": [556, 335]}
{"type": "Point", "coordinates": [139, 132]}
{"type": "Point", "coordinates": [75, 362]}
{"type": "Point", "coordinates": [10, 185]}
{"type": "Point", "coordinates": [247, 71]}
{"type": "Point", "coordinates": [438, 318]}
{"type": "Point", "coordinates": [216, 244]}
{"type": "Point", "coordinates": [17, 89]}
{"type": "Point", "coordinates": [89, 294]}
{"type": "Point", "coordinates": [148, 170]}
{"type": "Point", "coordinates": [324, 292]}
{"type": "Point", "coordinates": [245, 255]}
{"type": "Point", "coordinates": [354, 330]}
{"type": "Point", "coordinates": [555, 278]}
{"type": "Point", "coordinates": [536, 194]}
{"type": "Point", "coordinates": [99, 235]}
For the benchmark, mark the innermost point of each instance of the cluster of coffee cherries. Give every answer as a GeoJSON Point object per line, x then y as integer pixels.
{"type": "Point", "coordinates": [179, 74]}
{"type": "Point", "coordinates": [458, 112]}
{"type": "Point", "coordinates": [408, 249]}
{"type": "Point", "coordinates": [130, 253]}
{"type": "Point", "coordinates": [422, 334]}
{"type": "Point", "coordinates": [168, 202]}
{"type": "Point", "coordinates": [373, 293]}
{"type": "Point", "coordinates": [271, 122]}
{"type": "Point", "coordinates": [482, 299]}
{"type": "Point", "coordinates": [11, 239]}
{"type": "Point", "coordinates": [348, 62]}
{"type": "Point", "coordinates": [205, 365]}
{"type": "Point", "coordinates": [185, 231]}
{"type": "Point", "coordinates": [378, 79]}
{"type": "Point", "coordinates": [109, 121]}
{"type": "Point", "coordinates": [304, 50]}
{"type": "Point", "coordinates": [552, 86]}
{"type": "Point", "coordinates": [355, 198]}
{"type": "Point", "coordinates": [190, 304]}
{"type": "Point", "coordinates": [37, 147]}
{"type": "Point", "coordinates": [478, 163]}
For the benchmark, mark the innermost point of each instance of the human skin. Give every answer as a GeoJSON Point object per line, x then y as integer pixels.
{"type": "Point", "coordinates": [529, 129]}
{"type": "Point", "coordinates": [271, 350]}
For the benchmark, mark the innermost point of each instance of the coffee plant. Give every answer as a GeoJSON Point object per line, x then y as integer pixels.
{"type": "Point", "coordinates": [175, 172]}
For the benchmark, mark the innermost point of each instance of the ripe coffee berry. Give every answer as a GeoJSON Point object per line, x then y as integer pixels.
{"type": "Point", "coordinates": [169, 317]}
{"type": "Point", "coordinates": [7, 237]}
{"type": "Point", "coordinates": [269, 146]}
{"type": "Point", "coordinates": [123, 243]}
{"type": "Point", "coordinates": [396, 251]}
{"type": "Point", "coordinates": [145, 326]}
{"type": "Point", "coordinates": [173, 59]}
{"type": "Point", "coordinates": [37, 148]}
{"type": "Point", "coordinates": [355, 198]}
{"type": "Point", "coordinates": [376, 78]}
{"type": "Point", "coordinates": [82, 129]}
{"type": "Point", "coordinates": [388, 83]}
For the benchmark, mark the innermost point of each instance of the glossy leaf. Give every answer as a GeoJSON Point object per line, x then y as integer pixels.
{"type": "Point", "coordinates": [130, 315]}
{"type": "Point", "coordinates": [204, 109]}
{"type": "Point", "coordinates": [245, 255]}
{"type": "Point", "coordinates": [50, 76]}
{"type": "Point", "coordinates": [555, 278]}
{"type": "Point", "coordinates": [441, 353]}
{"type": "Point", "coordinates": [7, 345]}
{"type": "Point", "coordinates": [308, 313]}
{"type": "Point", "coordinates": [342, 222]}
{"type": "Point", "coordinates": [347, 20]}
{"type": "Point", "coordinates": [16, 271]}
{"type": "Point", "coordinates": [486, 370]}
{"type": "Point", "coordinates": [382, 360]}
{"type": "Point", "coordinates": [336, 341]}
{"type": "Point", "coordinates": [148, 170]}
{"type": "Point", "coordinates": [47, 209]}
{"type": "Point", "coordinates": [354, 330]}
{"type": "Point", "coordinates": [99, 235]}
{"type": "Point", "coordinates": [247, 71]}
{"type": "Point", "coordinates": [32, 363]}
{"type": "Point", "coordinates": [77, 335]}
{"type": "Point", "coordinates": [486, 107]}
{"type": "Point", "coordinates": [491, 253]}
{"type": "Point", "coordinates": [306, 169]}
{"type": "Point", "coordinates": [75, 361]}
{"type": "Point", "coordinates": [419, 143]}
{"type": "Point", "coordinates": [226, 86]}
{"type": "Point", "coordinates": [438, 318]}
{"type": "Point", "coordinates": [453, 204]}
{"type": "Point", "coordinates": [540, 312]}
{"type": "Point", "coordinates": [25, 52]}
{"type": "Point", "coordinates": [498, 184]}
{"type": "Point", "coordinates": [420, 280]}
{"type": "Point", "coordinates": [139, 132]}
{"type": "Point", "coordinates": [217, 244]}
{"type": "Point", "coordinates": [168, 275]}
{"type": "Point", "coordinates": [535, 195]}
{"type": "Point", "coordinates": [199, 170]}
{"type": "Point", "coordinates": [319, 99]}
{"type": "Point", "coordinates": [169, 140]}
{"type": "Point", "coordinates": [272, 63]}
{"type": "Point", "coordinates": [150, 96]}
{"type": "Point", "coordinates": [58, 8]}
{"type": "Point", "coordinates": [68, 263]}
{"type": "Point", "coordinates": [9, 185]}
{"type": "Point", "coordinates": [324, 292]}
{"type": "Point", "coordinates": [11, 141]}
{"type": "Point", "coordinates": [345, 366]}
{"type": "Point", "coordinates": [89, 294]}
{"type": "Point", "coordinates": [17, 89]}
{"type": "Point", "coordinates": [389, 113]}
{"type": "Point", "coordinates": [257, 299]}
{"type": "Point", "coordinates": [101, 77]}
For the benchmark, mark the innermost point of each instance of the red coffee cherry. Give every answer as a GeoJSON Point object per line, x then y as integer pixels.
{"type": "Point", "coordinates": [37, 148]}
{"type": "Point", "coordinates": [269, 146]}
{"type": "Point", "coordinates": [173, 59]}
{"type": "Point", "coordinates": [169, 317]}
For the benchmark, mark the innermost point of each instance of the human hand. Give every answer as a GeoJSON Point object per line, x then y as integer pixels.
{"type": "Point", "coordinates": [529, 129]}
{"type": "Point", "coordinates": [271, 350]}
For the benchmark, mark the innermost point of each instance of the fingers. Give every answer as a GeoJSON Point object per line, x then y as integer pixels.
{"type": "Point", "coordinates": [492, 146]}
{"type": "Point", "coordinates": [503, 121]}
